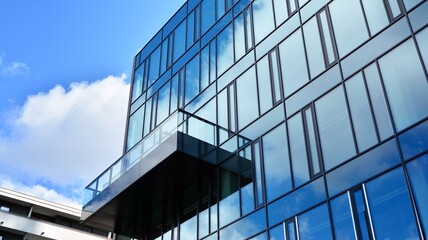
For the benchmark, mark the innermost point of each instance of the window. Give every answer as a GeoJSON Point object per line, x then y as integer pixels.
{"type": "Point", "coordinates": [208, 16]}
{"type": "Point", "coordinates": [334, 128]}
{"type": "Point", "coordinates": [293, 63]}
{"type": "Point", "coordinates": [154, 66]}
{"type": "Point", "coordinates": [229, 206]}
{"type": "Point", "coordinates": [163, 103]}
{"type": "Point", "coordinates": [264, 22]}
{"type": "Point", "coordinates": [348, 24]}
{"type": "Point", "coordinates": [135, 128]}
{"type": "Point", "coordinates": [225, 49]}
{"type": "Point", "coordinates": [137, 87]}
{"type": "Point", "coordinates": [4, 208]}
{"type": "Point", "coordinates": [342, 217]}
{"type": "Point", "coordinates": [179, 40]}
{"type": "Point", "coordinates": [246, 96]}
{"type": "Point", "coordinates": [405, 84]}
{"type": "Point", "coordinates": [314, 224]}
{"type": "Point", "coordinates": [376, 15]}
{"type": "Point", "coordinates": [192, 79]}
{"type": "Point", "coordinates": [422, 38]}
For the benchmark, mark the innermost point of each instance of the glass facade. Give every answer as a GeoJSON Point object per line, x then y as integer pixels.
{"type": "Point", "coordinates": [312, 115]}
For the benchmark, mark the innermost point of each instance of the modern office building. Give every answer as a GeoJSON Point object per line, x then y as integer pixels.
{"type": "Point", "coordinates": [275, 119]}
{"type": "Point", "coordinates": [24, 217]}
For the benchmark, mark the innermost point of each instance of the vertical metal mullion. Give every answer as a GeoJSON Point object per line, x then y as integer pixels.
{"type": "Point", "coordinates": [323, 43]}
{"type": "Point", "coordinates": [317, 139]}
{"type": "Point", "coordinates": [366, 22]}
{"type": "Point", "coordinates": [307, 142]}
{"type": "Point", "coordinates": [351, 208]}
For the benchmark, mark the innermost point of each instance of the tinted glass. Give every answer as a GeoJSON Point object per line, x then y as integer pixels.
{"type": "Point", "coordinates": [418, 169]}
{"type": "Point", "coordinates": [293, 63]}
{"type": "Point", "coordinates": [376, 15]}
{"type": "Point", "coordinates": [378, 101]}
{"type": "Point", "coordinates": [362, 119]}
{"type": "Point", "coordinates": [229, 205]}
{"type": "Point", "coordinates": [239, 32]}
{"type": "Point", "coordinates": [313, 47]}
{"type": "Point", "coordinates": [245, 227]}
{"type": "Point", "coordinates": [276, 163]}
{"type": "Point", "coordinates": [163, 102]}
{"type": "Point", "coordinates": [395, 8]}
{"type": "Point", "coordinates": [335, 132]}
{"type": "Point", "coordinates": [329, 49]}
{"type": "Point", "coordinates": [277, 233]}
{"type": "Point", "coordinates": [298, 150]}
{"type": "Point", "coordinates": [311, 141]}
{"type": "Point", "coordinates": [405, 84]}
{"type": "Point", "coordinates": [263, 77]}
{"type": "Point", "coordinates": [205, 72]}
{"type": "Point", "coordinates": [154, 66]}
{"type": "Point", "coordinates": [258, 171]}
{"type": "Point", "coordinates": [164, 56]}
{"type": "Point", "coordinates": [137, 87]}
{"type": "Point", "coordinates": [207, 15]}
{"type": "Point", "coordinates": [348, 24]}
{"type": "Point", "coordinates": [174, 93]}
{"type": "Point", "coordinates": [315, 224]}
{"type": "Point", "coordinates": [422, 38]}
{"type": "Point", "coordinates": [246, 92]}
{"type": "Point", "coordinates": [192, 79]}
{"type": "Point", "coordinates": [361, 214]}
{"type": "Point", "coordinates": [263, 19]}
{"type": "Point", "coordinates": [414, 141]}
{"type": "Point", "coordinates": [388, 195]}
{"type": "Point", "coordinates": [224, 49]}
{"type": "Point", "coordinates": [190, 29]}
{"type": "Point", "coordinates": [342, 218]}
{"type": "Point", "coordinates": [276, 82]}
{"type": "Point", "coordinates": [135, 128]}
{"type": "Point", "coordinates": [179, 40]}
{"type": "Point", "coordinates": [281, 11]}
{"type": "Point", "coordinates": [147, 115]}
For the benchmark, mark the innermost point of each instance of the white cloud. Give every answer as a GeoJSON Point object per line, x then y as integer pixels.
{"type": "Point", "coordinates": [67, 137]}
{"type": "Point", "coordinates": [40, 192]}
{"type": "Point", "coordinates": [13, 69]}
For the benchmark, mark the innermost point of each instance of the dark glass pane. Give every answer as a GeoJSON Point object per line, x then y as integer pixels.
{"type": "Point", "coordinates": [315, 224]}
{"type": "Point", "coordinates": [224, 49]}
{"type": "Point", "coordinates": [414, 141]}
{"type": "Point", "coordinates": [192, 79]}
{"type": "Point", "coordinates": [313, 47]}
{"type": "Point", "coordinates": [422, 38]}
{"type": "Point", "coordinates": [137, 87]}
{"type": "Point", "coordinates": [388, 196]}
{"type": "Point", "coordinates": [276, 82]}
{"type": "Point", "coordinates": [263, 76]}
{"type": "Point", "coordinates": [239, 31]}
{"type": "Point", "coordinates": [135, 128]}
{"type": "Point", "coordinates": [291, 231]}
{"type": "Point", "coordinates": [310, 128]}
{"type": "Point", "coordinates": [207, 15]}
{"type": "Point", "coordinates": [299, 158]}
{"type": "Point", "coordinates": [348, 24]}
{"type": "Point", "coordinates": [361, 214]}
{"type": "Point", "coordinates": [190, 29]}
{"type": "Point", "coordinates": [263, 19]}
{"type": "Point", "coordinates": [246, 92]}
{"type": "Point", "coordinates": [376, 15]}
{"type": "Point", "coordinates": [276, 163]}
{"type": "Point", "coordinates": [163, 102]}
{"type": "Point", "coordinates": [179, 40]}
{"type": "Point", "coordinates": [335, 132]}
{"type": "Point", "coordinates": [205, 68]}
{"type": "Point", "coordinates": [220, 8]}
{"type": "Point", "coordinates": [229, 205]}
{"type": "Point", "coordinates": [293, 63]}
{"type": "Point", "coordinates": [154, 66]}
{"type": "Point", "coordinates": [245, 227]}
{"type": "Point", "coordinates": [342, 218]}
{"type": "Point", "coordinates": [405, 84]}
{"type": "Point", "coordinates": [418, 170]}
{"type": "Point", "coordinates": [258, 172]}
{"type": "Point", "coordinates": [362, 119]}
{"type": "Point", "coordinates": [378, 101]}
{"type": "Point", "coordinates": [247, 185]}
{"type": "Point", "coordinates": [147, 115]}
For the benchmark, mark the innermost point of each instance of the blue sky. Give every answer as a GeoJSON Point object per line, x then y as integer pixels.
{"type": "Point", "coordinates": [65, 68]}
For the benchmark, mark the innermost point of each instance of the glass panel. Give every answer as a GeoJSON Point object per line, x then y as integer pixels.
{"type": "Point", "coordinates": [246, 92]}
{"type": "Point", "coordinates": [232, 118]}
{"type": "Point", "coordinates": [258, 172]}
{"type": "Point", "coordinates": [163, 102]}
{"type": "Point", "coordinates": [298, 150]}
{"type": "Point", "coordinates": [387, 196]}
{"type": "Point", "coordinates": [363, 167]}
{"type": "Point", "coordinates": [220, 8]}
{"type": "Point", "coordinates": [297, 201]}
{"type": "Point", "coordinates": [247, 186]}
{"type": "Point", "coordinates": [137, 87]}
{"type": "Point", "coordinates": [377, 98]}
{"type": "Point", "coordinates": [348, 24]}
{"type": "Point", "coordinates": [207, 15]}
{"type": "Point", "coordinates": [154, 66]}
{"type": "Point", "coordinates": [293, 63]}
{"type": "Point", "coordinates": [395, 8]}
{"type": "Point", "coordinates": [327, 37]}
{"type": "Point", "coordinates": [275, 76]}
{"type": "Point", "coordinates": [422, 38]}
{"type": "Point", "coordinates": [335, 132]}
{"type": "Point", "coordinates": [291, 231]}
{"type": "Point", "coordinates": [188, 229]}
{"type": "Point", "coordinates": [292, 4]}
{"type": "Point", "coordinates": [411, 3]}
{"type": "Point", "coordinates": [229, 206]}
{"type": "Point", "coordinates": [174, 93]}
{"type": "Point", "coordinates": [313, 47]}
{"type": "Point", "coordinates": [147, 115]}
{"type": "Point", "coordinates": [179, 40]}
{"type": "Point", "coordinates": [261, 236]}
{"type": "Point", "coordinates": [192, 79]}
{"type": "Point", "coordinates": [418, 169]}
{"type": "Point", "coordinates": [245, 227]}
{"type": "Point", "coordinates": [263, 76]}
{"type": "Point", "coordinates": [164, 56]}
{"type": "Point", "coordinates": [190, 29]}
{"type": "Point", "coordinates": [405, 84]}
{"type": "Point", "coordinates": [281, 11]}
{"type": "Point", "coordinates": [213, 59]}
{"type": "Point", "coordinates": [310, 128]}
{"type": "Point", "coordinates": [135, 128]}
{"type": "Point", "coordinates": [277, 233]}
{"type": "Point", "coordinates": [249, 28]}
{"type": "Point", "coordinates": [361, 214]}
{"type": "Point", "coordinates": [362, 119]}
{"type": "Point", "coordinates": [263, 19]}
{"type": "Point", "coordinates": [418, 17]}
{"type": "Point", "coordinates": [376, 15]}
{"type": "Point", "coordinates": [342, 218]}
{"type": "Point", "coordinates": [224, 49]}
{"type": "Point", "coordinates": [276, 163]}
{"type": "Point", "coordinates": [205, 73]}
{"type": "Point", "coordinates": [239, 31]}
{"type": "Point", "coordinates": [315, 224]}
{"type": "Point", "coordinates": [414, 141]}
